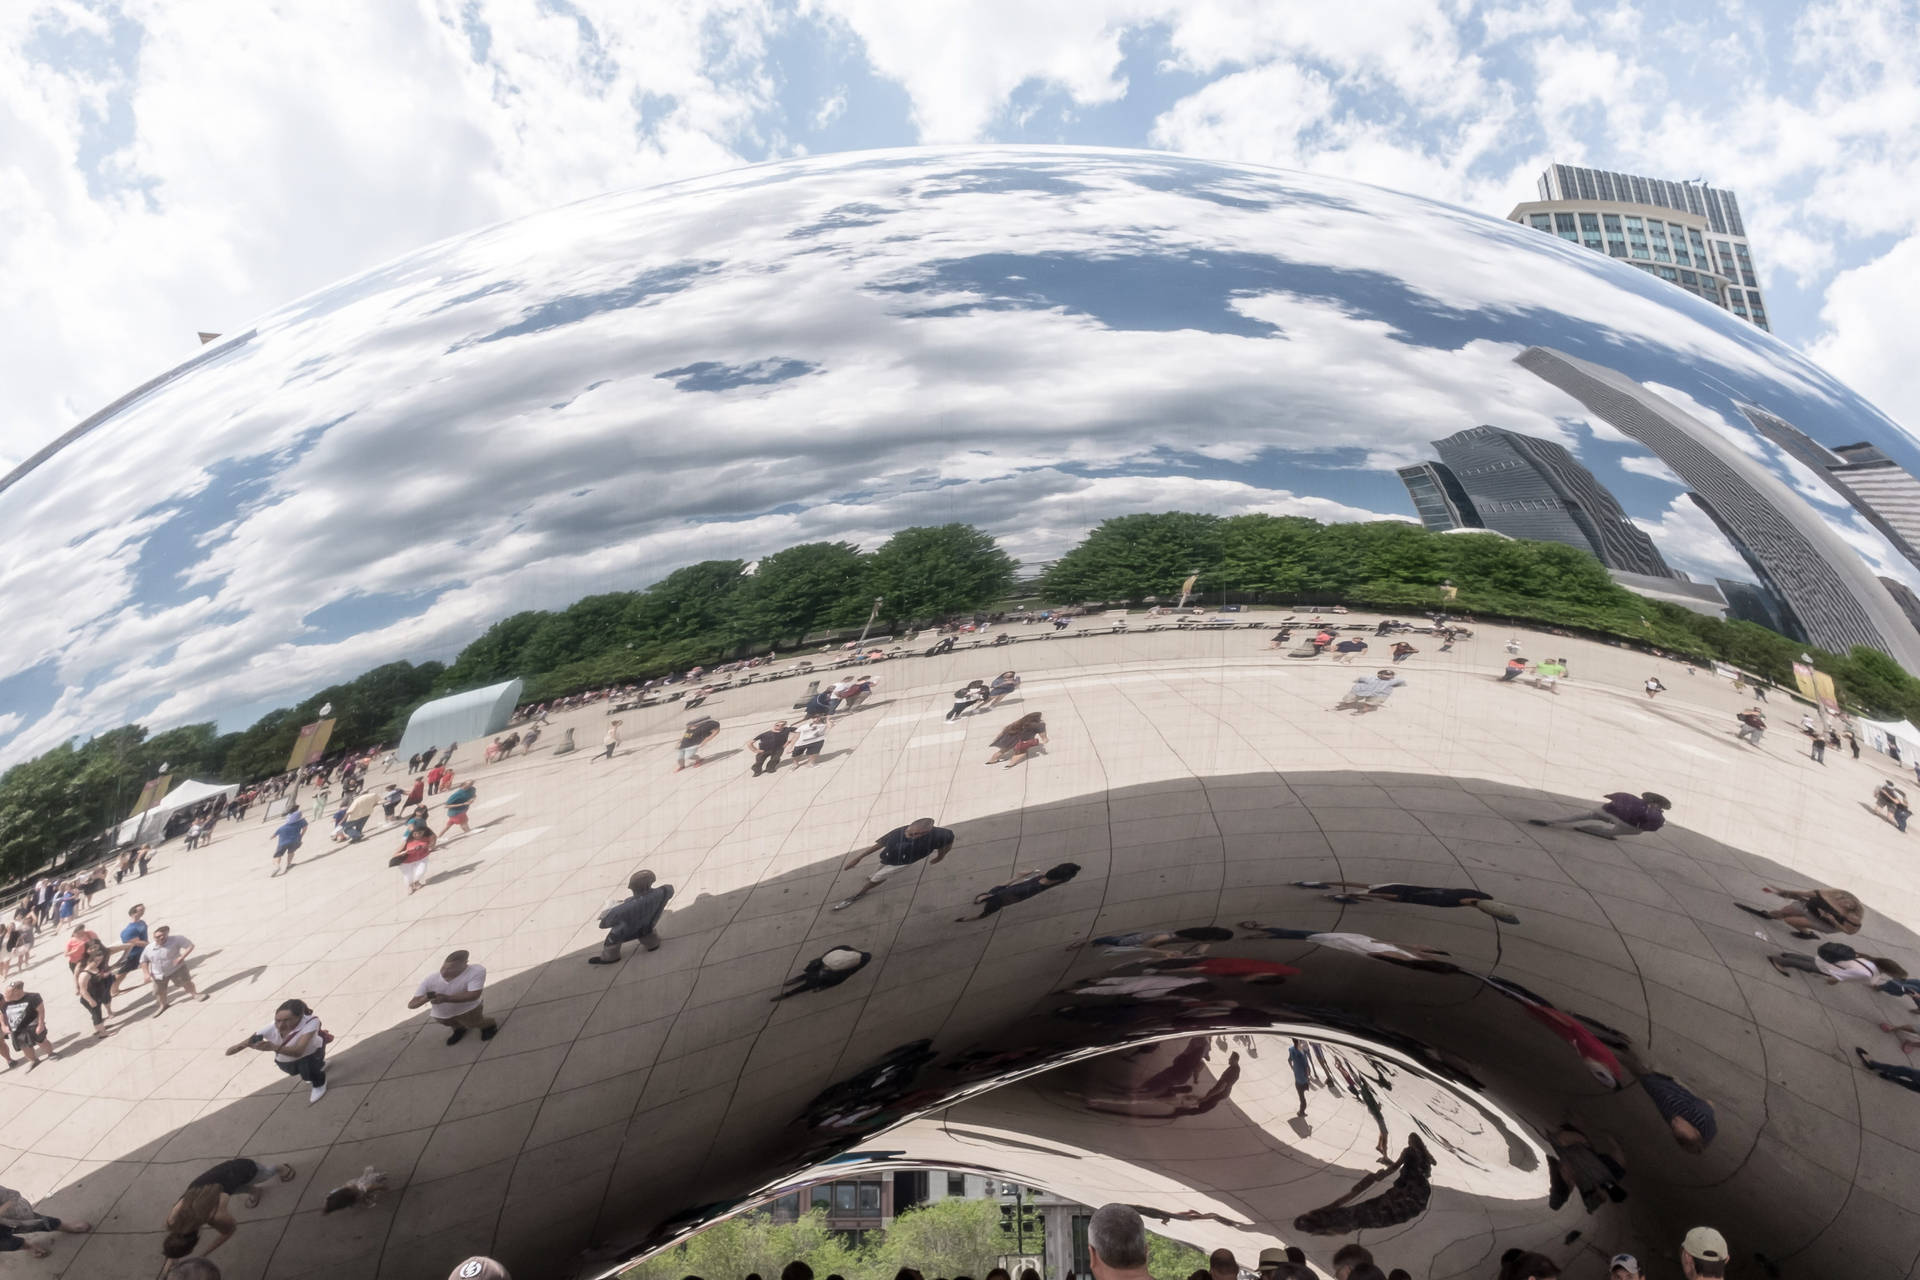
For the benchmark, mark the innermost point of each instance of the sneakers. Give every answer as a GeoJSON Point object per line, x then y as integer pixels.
{"type": "Point", "coordinates": [488, 1033]}
{"type": "Point", "coordinates": [459, 1034]}
{"type": "Point", "coordinates": [316, 1093]}
{"type": "Point", "coordinates": [843, 904]}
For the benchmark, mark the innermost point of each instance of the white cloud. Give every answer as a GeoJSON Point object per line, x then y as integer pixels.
{"type": "Point", "coordinates": [1869, 319]}
{"type": "Point", "coordinates": [1647, 465]}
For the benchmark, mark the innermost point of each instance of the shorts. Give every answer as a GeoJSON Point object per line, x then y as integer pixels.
{"type": "Point", "coordinates": [474, 1019]}
{"type": "Point", "coordinates": [457, 820]}
{"type": "Point", "coordinates": [286, 850]}
{"type": "Point", "coordinates": [886, 869]}
{"type": "Point", "coordinates": [808, 749]}
{"type": "Point", "coordinates": [27, 1036]}
{"type": "Point", "coordinates": [689, 754]}
{"type": "Point", "coordinates": [42, 1223]}
{"type": "Point", "coordinates": [161, 981]}
{"type": "Point", "coordinates": [129, 961]}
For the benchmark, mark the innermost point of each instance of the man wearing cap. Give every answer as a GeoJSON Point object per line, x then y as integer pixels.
{"type": "Point", "coordinates": [454, 992]}
{"type": "Point", "coordinates": [477, 1268]}
{"type": "Point", "coordinates": [1623, 814]}
{"type": "Point", "coordinates": [1625, 1267]}
{"type": "Point", "coordinates": [633, 918]}
{"type": "Point", "coordinates": [1703, 1254]}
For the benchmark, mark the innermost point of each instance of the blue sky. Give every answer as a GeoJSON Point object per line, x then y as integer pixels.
{"type": "Point", "coordinates": [175, 168]}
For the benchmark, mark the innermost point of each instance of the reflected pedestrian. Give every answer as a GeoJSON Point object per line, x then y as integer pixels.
{"type": "Point", "coordinates": [898, 849]}
{"type": "Point", "coordinates": [768, 746]}
{"type": "Point", "coordinates": [1028, 885]}
{"type": "Point", "coordinates": [298, 1044]}
{"type": "Point", "coordinates": [165, 964]}
{"type": "Point", "coordinates": [18, 1217]}
{"type": "Point", "coordinates": [1703, 1254]}
{"type": "Point", "coordinates": [25, 1015]}
{"type": "Point", "coordinates": [826, 971]}
{"type": "Point", "coordinates": [634, 918]}
{"type": "Point", "coordinates": [696, 735]}
{"type": "Point", "coordinates": [286, 840]}
{"type": "Point", "coordinates": [459, 801]}
{"type": "Point", "coordinates": [204, 1203]}
{"type": "Point", "coordinates": [808, 739]}
{"type": "Point", "coordinates": [610, 741]}
{"type": "Point", "coordinates": [1623, 814]}
{"type": "Point", "coordinates": [1811, 912]}
{"type": "Point", "coordinates": [1370, 693]}
{"type": "Point", "coordinates": [416, 846]}
{"type": "Point", "coordinates": [454, 994]}
{"type": "Point", "coordinates": [1752, 726]}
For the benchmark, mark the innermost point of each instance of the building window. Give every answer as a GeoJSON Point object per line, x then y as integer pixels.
{"type": "Point", "coordinates": [1616, 238]}
{"type": "Point", "coordinates": [1541, 221]}
{"type": "Point", "coordinates": [1657, 233]}
{"type": "Point", "coordinates": [1689, 279]}
{"type": "Point", "coordinates": [1679, 237]}
{"type": "Point", "coordinates": [1699, 247]}
{"type": "Point", "coordinates": [1667, 273]}
{"type": "Point", "coordinates": [956, 1184]}
{"type": "Point", "coordinates": [846, 1197]}
{"type": "Point", "coordinates": [869, 1199]}
{"type": "Point", "coordinates": [822, 1197]}
{"type": "Point", "coordinates": [1564, 224]}
{"type": "Point", "coordinates": [1636, 238]}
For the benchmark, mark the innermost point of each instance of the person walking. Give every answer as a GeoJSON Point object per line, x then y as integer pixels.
{"type": "Point", "coordinates": [1904, 1076]}
{"type": "Point", "coordinates": [824, 971]}
{"type": "Point", "coordinates": [165, 964]}
{"type": "Point", "coordinates": [634, 918]}
{"type": "Point", "coordinates": [1548, 674]}
{"type": "Point", "coordinates": [1890, 801]}
{"type": "Point", "coordinates": [286, 840]}
{"type": "Point", "coordinates": [1402, 651]}
{"type": "Point", "coordinates": [768, 746]}
{"type": "Point", "coordinates": [1853, 744]}
{"type": "Point", "coordinates": [1623, 814]}
{"type": "Point", "coordinates": [1653, 686]}
{"type": "Point", "coordinates": [25, 1016]}
{"type": "Point", "coordinates": [391, 802]}
{"type": "Point", "coordinates": [416, 846]}
{"type": "Point", "coordinates": [454, 992]}
{"type": "Point", "coordinates": [1370, 693]}
{"type": "Point", "coordinates": [809, 737]}
{"type": "Point", "coordinates": [968, 696]}
{"type": "Point", "coordinates": [609, 741]}
{"type": "Point", "coordinates": [1029, 884]}
{"type": "Point", "coordinates": [298, 1044]}
{"type": "Point", "coordinates": [459, 800]}
{"type": "Point", "coordinates": [145, 857]}
{"type": "Point", "coordinates": [1019, 738]}
{"type": "Point", "coordinates": [898, 849]}
{"type": "Point", "coordinates": [93, 983]}
{"type": "Point", "coordinates": [696, 735]}
{"type": "Point", "coordinates": [1812, 912]}
{"type": "Point", "coordinates": [1752, 725]}
{"type": "Point", "coordinates": [133, 941]}
{"type": "Point", "coordinates": [204, 1203]}
{"type": "Point", "coordinates": [18, 1217]}
{"type": "Point", "coordinates": [1302, 1068]}
{"type": "Point", "coordinates": [358, 813]}
{"type": "Point", "coordinates": [1817, 742]}
{"type": "Point", "coordinates": [1837, 962]}
{"type": "Point", "coordinates": [1347, 650]}
{"type": "Point", "coordinates": [1516, 667]}
{"type": "Point", "coordinates": [19, 942]}
{"type": "Point", "coordinates": [1004, 686]}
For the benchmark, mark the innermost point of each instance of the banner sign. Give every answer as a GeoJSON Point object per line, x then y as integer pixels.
{"type": "Point", "coordinates": [1803, 681]}
{"type": "Point", "coordinates": [310, 745]}
{"type": "Point", "coordinates": [152, 794]}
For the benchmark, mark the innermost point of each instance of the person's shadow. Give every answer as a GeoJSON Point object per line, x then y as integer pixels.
{"type": "Point", "coordinates": [464, 869]}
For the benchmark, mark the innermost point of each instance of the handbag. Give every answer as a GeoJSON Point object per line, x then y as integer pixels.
{"type": "Point", "coordinates": [397, 859]}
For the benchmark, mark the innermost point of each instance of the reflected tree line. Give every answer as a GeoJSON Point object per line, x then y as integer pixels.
{"type": "Point", "coordinates": [719, 610]}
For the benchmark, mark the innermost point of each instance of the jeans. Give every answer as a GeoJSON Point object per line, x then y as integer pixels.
{"type": "Point", "coordinates": [355, 829]}
{"type": "Point", "coordinates": [312, 1068]}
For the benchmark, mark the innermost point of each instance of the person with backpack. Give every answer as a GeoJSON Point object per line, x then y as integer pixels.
{"type": "Point", "coordinates": [298, 1044]}
{"type": "Point", "coordinates": [1837, 962]}
{"type": "Point", "coordinates": [633, 918]}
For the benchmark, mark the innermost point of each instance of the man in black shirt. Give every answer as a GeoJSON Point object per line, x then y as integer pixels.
{"type": "Point", "coordinates": [900, 847]}
{"type": "Point", "coordinates": [695, 736]}
{"type": "Point", "coordinates": [768, 746]}
{"type": "Point", "coordinates": [25, 1015]}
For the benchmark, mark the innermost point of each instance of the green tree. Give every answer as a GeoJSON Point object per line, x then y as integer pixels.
{"type": "Point", "coordinates": [951, 1237]}
{"type": "Point", "coordinates": [754, 1243]}
{"type": "Point", "coordinates": [930, 572]}
{"type": "Point", "coordinates": [494, 656]}
{"type": "Point", "coordinates": [803, 589]}
{"type": "Point", "coordinates": [1132, 557]}
{"type": "Point", "coordinates": [699, 601]}
{"type": "Point", "coordinates": [1171, 1260]}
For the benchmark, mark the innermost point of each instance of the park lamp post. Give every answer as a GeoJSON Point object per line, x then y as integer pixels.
{"type": "Point", "coordinates": [873, 614]}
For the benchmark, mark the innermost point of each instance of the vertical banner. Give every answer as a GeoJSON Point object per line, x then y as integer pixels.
{"type": "Point", "coordinates": [1826, 694]}
{"type": "Point", "coordinates": [1186, 589]}
{"type": "Point", "coordinates": [151, 794]}
{"type": "Point", "coordinates": [1803, 681]}
{"type": "Point", "coordinates": [309, 744]}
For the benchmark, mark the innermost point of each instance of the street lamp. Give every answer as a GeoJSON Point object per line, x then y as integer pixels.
{"type": "Point", "coordinates": [875, 613]}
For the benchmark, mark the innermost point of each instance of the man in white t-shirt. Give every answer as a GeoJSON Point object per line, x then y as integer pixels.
{"type": "Point", "coordinates": [453, 991]}
{"type": "Point", "coordinates": [165, 963]}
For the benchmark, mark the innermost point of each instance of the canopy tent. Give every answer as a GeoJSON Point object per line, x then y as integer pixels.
{"type": "Point", "coordinates": [461, 717]}
{"type": "Point", "coordinates": [187, 794]}
{"type": "Point", "coordinates": [1880, 732]}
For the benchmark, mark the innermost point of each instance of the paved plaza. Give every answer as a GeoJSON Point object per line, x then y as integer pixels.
{"type": "Point", "coordinates": [1191, 775]}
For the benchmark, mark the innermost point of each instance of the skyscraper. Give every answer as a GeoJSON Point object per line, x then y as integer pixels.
{"type": "Point", "coordinates": [1687, 233]}
{"type": "Point", "coordinates": [1750, 602]}
{"type": "Point", "coordinates": [1872, 483]}
{"type": "Point", "coordinates": [1530, 488]}
{"type": "Point", "coordinates": [1826, 586]}
{"type": "Point", "coordinates": [1438, 498]}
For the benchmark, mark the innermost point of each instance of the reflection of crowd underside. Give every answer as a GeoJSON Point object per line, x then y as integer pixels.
{"type": "Point", "coordinates": [1243, 865]}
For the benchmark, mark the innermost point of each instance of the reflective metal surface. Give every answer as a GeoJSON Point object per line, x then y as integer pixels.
{"type": "Point", "coordinates": [1595, 1058]}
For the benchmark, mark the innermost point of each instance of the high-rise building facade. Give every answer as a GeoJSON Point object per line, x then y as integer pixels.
{"type": "Point", "coordinates": [1876, 486]}
{"type": "Point", "coordinates": [1438, 498]}
{"type": "Point", "coordinates": [1817, 577]}
{"type": "Point", "coordinates": [1751, 602]}
{"type": "Point", "coordinates": [1526, 487]}
{"type": "Point", "coordinates": [1687, 233]}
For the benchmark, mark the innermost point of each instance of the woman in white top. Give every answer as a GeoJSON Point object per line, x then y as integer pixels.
{"type": "Point", "coordinates": [298, 1045]}
{"type": "Point", "coordinates": [1837, 967]}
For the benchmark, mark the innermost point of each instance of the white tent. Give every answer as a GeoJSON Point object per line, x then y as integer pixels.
{"type": "Point", "coordinates": [1879, 733]}
{"type": "Point", "coordinates": [461, 717]}
{"type": "Point", "coordinates": [149, 824]}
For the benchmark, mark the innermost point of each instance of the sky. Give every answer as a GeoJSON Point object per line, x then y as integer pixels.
{"type": "Point", "coordinates": [167, 168]}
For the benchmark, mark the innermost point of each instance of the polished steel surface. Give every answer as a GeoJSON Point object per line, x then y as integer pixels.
{"type": "Point", "coordinates": [1030, 341]}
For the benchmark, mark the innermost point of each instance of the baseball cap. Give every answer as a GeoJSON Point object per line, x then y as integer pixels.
{"type": "Point", "coordinates": [477, 1268]}
{"type": "Point", "coordinates": [1627, 1260]}
{"type": "Point", "coordinates": [1705, 1244]}
{"type": "Point", "coordinates": [840, 959]}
